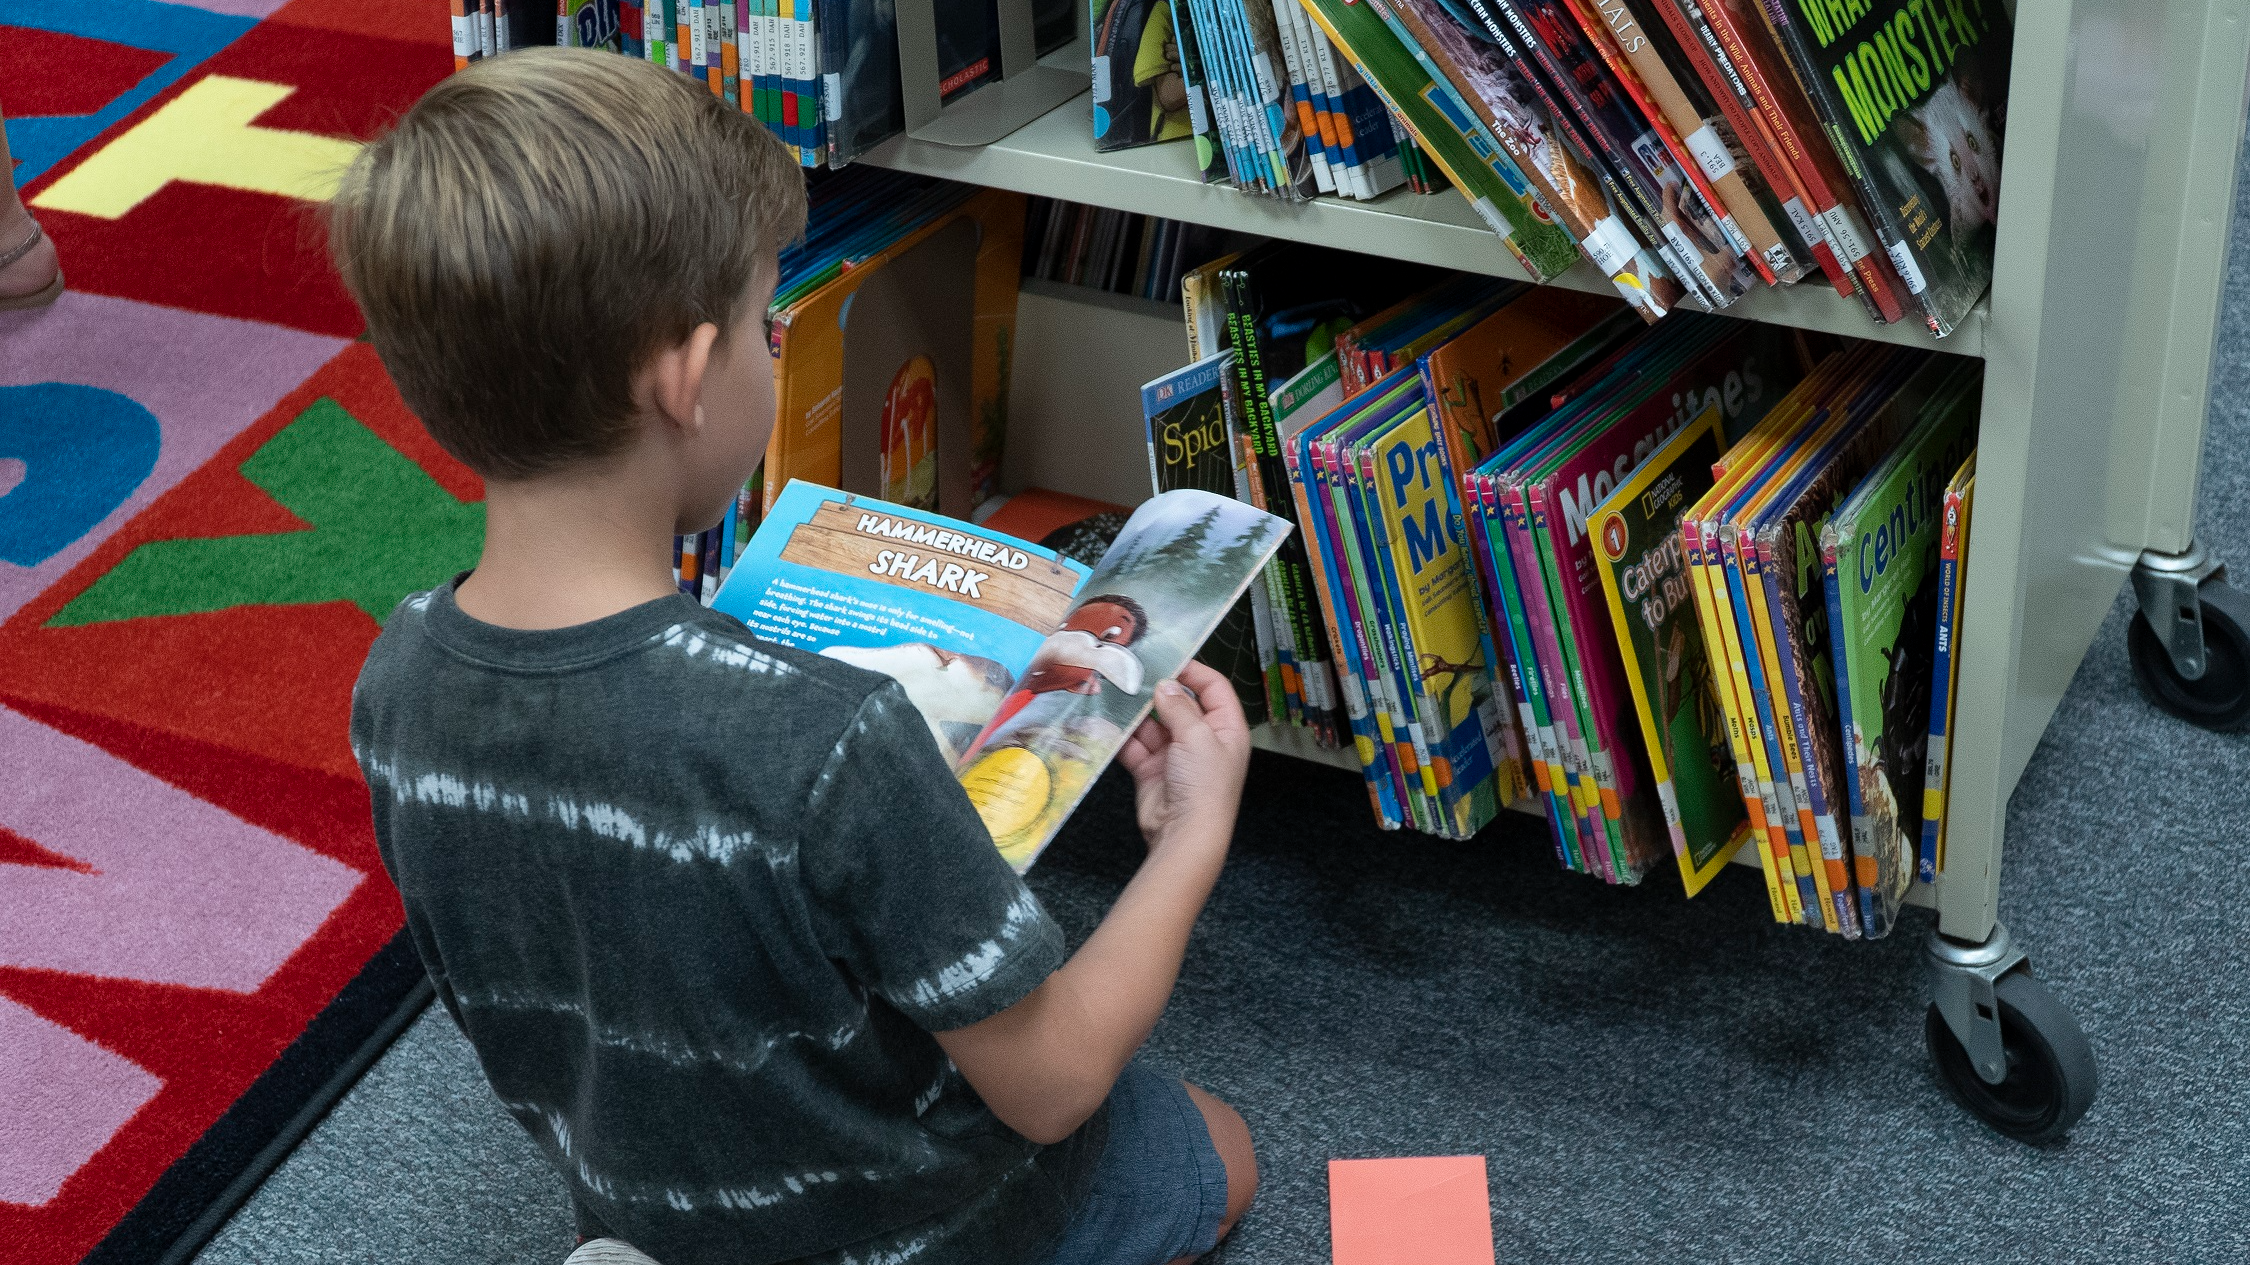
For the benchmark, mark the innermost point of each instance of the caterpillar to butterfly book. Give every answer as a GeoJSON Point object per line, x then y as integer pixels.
{"type": "Point", "coordinates": [1030, 669]}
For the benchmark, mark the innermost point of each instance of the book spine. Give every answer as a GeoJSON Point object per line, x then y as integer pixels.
{"type": "Point", "coordinates": [1632, 56]}
{"type": "Point", "coordinates": [1351, 672]}
{"type": "Point", "coordinates": [1295, 58]}
{"type": "Point", "coordinates": [1316, 686]}
{"type": "Point", "coordinates": [1905, 269]}
{"type": "Point", "coordinates": [1575, 116]}
{"type": "Point", "coordinates": [1725, 682]}
{"type": "Point", "coordinates": [1383, 615]}
{"type": "Point", "coordinates": [1562, 708]}
{"type": "Point", "coordinates": [1210, 164]}
{"type": "Point", "coordinates": [1511, 781]}
{"type": "Point", "coordinates": [1781, 818]}
{"type": "Point", "coordinates": [1429, 725]}
{"type": "Point", "coordinates": [1782, 754]}
{"type": "Point", "coordinates": [730, 64]}
{"type": "Point", "coordinates": [1866, 870]}
{"type": "Point", "coordinates": [1600, 754]}
{"type": "Point", "coordinates": [1815, 795]}
{"type": "Point", "coordinates": [1608, 524]}
{"type": "Point", "coordinates": [1282, 702]}
{"type": "Point", "coordinates": [1377, 671]}
{"type": "Point", "coordinates": [465, 48]}
{"type": "Point", "coordinates": [1524, 677]}
{"type": "Point", "coordinates": [1934, 770]}
{"type": "Point", "coordinates": [1743, 40]}
{"type": "Point", "coordinates": [1731, 93]}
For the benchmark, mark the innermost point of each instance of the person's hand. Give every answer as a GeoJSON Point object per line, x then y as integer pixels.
{"type": "Point", "coordinates": [1188, 760]}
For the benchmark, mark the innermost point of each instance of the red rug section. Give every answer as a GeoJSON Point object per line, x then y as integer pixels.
{"type": "Point", "coordinates": [248, 708]}
{"type": "Point", "coordinates": [206, 1045]}
{"type": "Point", "coordinates": [236, 253]}
{"type": "Point", "coordinates": [271, 681]}
{"type": "Point", "coordinates": [99, 72]}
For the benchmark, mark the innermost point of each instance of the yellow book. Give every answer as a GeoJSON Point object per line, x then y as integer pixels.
{"type": "Point", "coordinates": [1723, 680]}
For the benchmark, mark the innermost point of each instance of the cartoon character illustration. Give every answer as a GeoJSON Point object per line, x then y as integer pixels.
{"type": "Point", "coordinates": [1156, 67]}
{"type": "Point", "coordinates": [1148, 100]}
{"type": "Point", "coordinates": [1093, 646]}
{"type": "Point", "coordinates": [956, 693]}
{"type": "Point", "coordinates": [1951, 137]}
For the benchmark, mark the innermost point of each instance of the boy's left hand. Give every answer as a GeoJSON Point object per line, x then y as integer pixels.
{"type": "Point", "coordinates": [1188, 761]}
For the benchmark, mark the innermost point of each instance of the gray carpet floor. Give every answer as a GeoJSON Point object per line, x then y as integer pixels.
{"type": "Point", "coordinates": [1650, 1079]}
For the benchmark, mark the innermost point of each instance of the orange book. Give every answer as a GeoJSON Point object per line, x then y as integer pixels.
{"type": "Point", "coordinates": [915, 341]}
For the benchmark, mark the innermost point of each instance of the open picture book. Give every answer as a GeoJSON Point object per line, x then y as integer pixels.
{"type": "Point", "coordinates": [1030, 669]}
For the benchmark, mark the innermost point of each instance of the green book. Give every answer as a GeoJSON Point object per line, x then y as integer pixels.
{"type": "Point", "coordinates": [1449, 132]}
{"type": "Point", "coordinates": [1879, 562]}
{"type": "Point", "coordinates": [1914, 100]}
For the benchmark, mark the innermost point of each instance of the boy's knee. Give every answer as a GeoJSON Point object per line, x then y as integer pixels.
{"type": "Point", "coordinates": [1231, 1138]}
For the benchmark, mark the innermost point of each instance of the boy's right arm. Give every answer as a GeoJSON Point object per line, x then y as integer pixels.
{"type": "Point", "coordinates": [1046, 1064]}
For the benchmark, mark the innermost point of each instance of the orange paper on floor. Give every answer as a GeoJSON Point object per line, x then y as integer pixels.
{"type": "Point", "coordinates": [1428, 1210]}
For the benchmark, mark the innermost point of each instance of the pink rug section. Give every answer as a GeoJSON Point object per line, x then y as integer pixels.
{"type": "Point", "coordinates": [234, 8]}
{"type": "Point", "coordinates": [182, 892]}
{"type": "Point", "coordinates": [66, 1096]}
{"type": "Point", "coordinates": [204, 377]}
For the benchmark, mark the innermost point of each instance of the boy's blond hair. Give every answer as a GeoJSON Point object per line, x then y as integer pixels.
{"type": "Point", "coordinates": [536, 227]}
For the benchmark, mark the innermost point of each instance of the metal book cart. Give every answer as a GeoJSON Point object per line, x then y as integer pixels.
{"type": "Point", "coordinates": [2124, 122]}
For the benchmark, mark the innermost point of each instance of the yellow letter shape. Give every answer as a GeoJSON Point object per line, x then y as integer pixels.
{"type": "Point", "coordinates": [204, 136]}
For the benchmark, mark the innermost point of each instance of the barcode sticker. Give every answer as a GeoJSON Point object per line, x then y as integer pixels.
{"type": "Point", "coordinates": [464, 44]}
{"type": "Point", "coordinates": [1710, 152]}
{"type": "Point", "coordinates": [1902, 258]}
{"type": "Point", "coordinates": [1101, 78]}
{"type": "Point", "coordinates": [1493, 217]}
{"type": "Point", "coordinates": [1610, 246]}
{"type": "Point", "coordinates": [1844, 234]}
{"type": "Point", "coordinates": [832, 91]}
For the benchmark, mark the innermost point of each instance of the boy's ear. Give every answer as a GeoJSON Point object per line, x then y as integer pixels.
{"type": "Point", "coordinates": [672, 381]}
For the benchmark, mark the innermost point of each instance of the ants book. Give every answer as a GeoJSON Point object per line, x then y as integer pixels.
{"type": "Point", "coordinates": [1879, 557]}
{"type": "Point", "coordinates": [1030, 669]}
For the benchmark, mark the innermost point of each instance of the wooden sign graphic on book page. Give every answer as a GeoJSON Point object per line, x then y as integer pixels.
{"type": "Point", "coordinates": [967, 567]}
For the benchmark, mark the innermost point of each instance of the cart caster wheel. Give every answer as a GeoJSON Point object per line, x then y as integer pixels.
{"type": "Point", "coordinates": [2220, 698]}
{"type": "Point", "coordinates": [2051, 1078]}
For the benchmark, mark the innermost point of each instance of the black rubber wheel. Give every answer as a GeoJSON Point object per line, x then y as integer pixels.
{"type": "Point", "coordinates": [2220, 698]}
{"type": "Point", "coordinates": [2051, 1078]}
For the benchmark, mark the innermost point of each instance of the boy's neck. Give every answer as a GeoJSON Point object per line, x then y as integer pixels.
{"type": "Point", "coordinates": [565, 550]}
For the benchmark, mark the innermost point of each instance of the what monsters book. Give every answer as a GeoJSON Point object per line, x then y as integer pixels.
{"type": "Point", "coordinates": [1030, 670]}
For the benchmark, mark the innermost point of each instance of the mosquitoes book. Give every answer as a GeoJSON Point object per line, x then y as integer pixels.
{"type": "Point", "coordinates": [1645, 578]}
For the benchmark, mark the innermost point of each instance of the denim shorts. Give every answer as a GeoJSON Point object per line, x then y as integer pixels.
{"type": "Point", "coordinates": [1160, 1188]}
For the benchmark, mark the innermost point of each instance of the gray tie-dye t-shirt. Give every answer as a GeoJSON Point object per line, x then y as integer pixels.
{"type": "Point", "coordinates": [698, 901]}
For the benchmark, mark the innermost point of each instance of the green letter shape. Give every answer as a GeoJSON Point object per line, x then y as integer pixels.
{"type": "Point", "coordinates": [381, 529]}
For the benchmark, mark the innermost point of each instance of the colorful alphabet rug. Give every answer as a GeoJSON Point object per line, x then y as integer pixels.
{"type": "Point", "coordinates": [210, 498]}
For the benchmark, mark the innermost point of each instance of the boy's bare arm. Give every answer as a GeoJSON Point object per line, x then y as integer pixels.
{"type": "Point", "coordinates": [1045, 1064]}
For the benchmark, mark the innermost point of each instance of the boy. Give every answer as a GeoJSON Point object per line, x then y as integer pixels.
{"type": "Point", "coordinates": [727, 937]}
